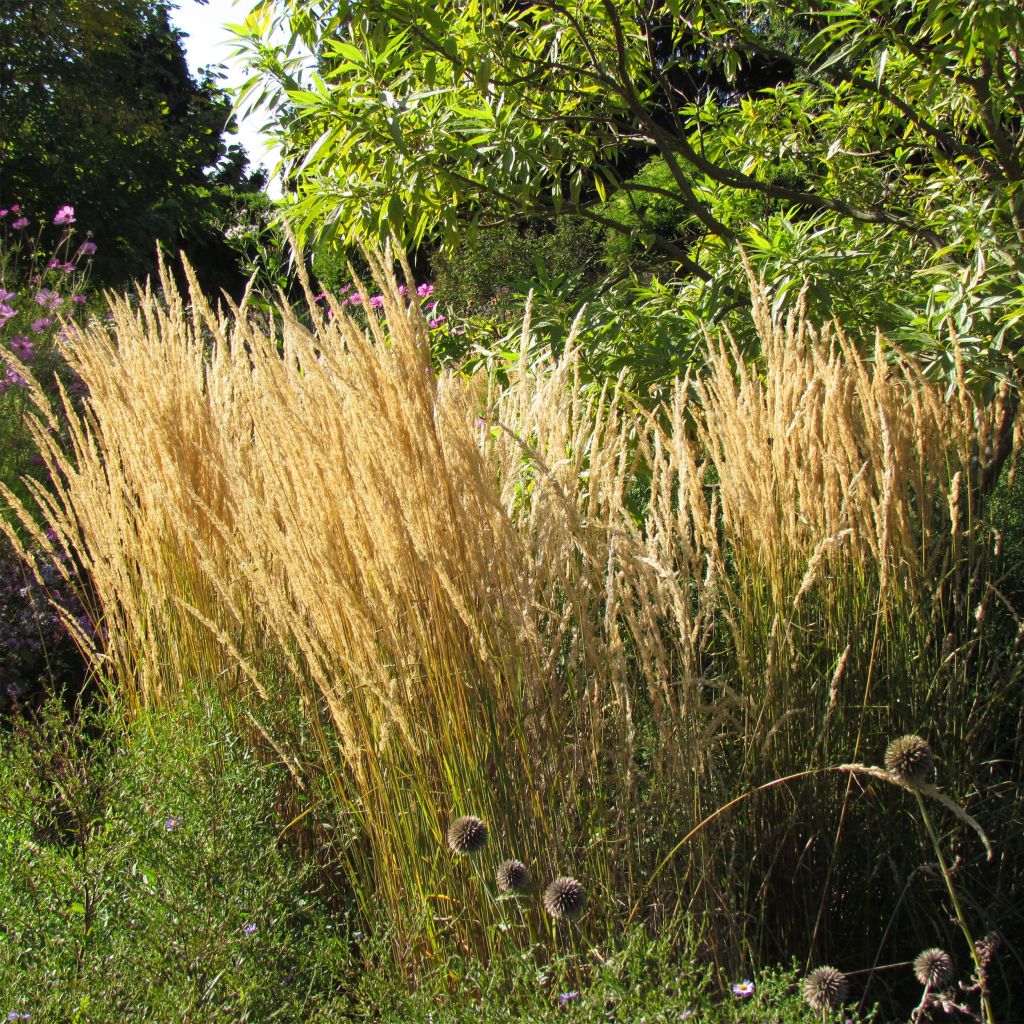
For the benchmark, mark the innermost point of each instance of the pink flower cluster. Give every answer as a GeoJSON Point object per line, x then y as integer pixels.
{"type": "Point", "coordinates": [354, 298]}
{"type": "Point", "coordinates": [40, 280]}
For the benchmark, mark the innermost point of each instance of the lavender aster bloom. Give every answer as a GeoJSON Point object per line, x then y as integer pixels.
{"type": "Point", "coordinates": [743, 990]}
{"type": "Point", "coordinates": [172, 823]}
{"type": "Point", "coordinates": [565, 998]}
{"type": "Point", "coordinates": [250, 928]}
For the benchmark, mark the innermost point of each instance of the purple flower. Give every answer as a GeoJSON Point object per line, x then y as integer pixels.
{"type": "Point", "coordinates": [41, 324]}
{"type": "Point", "coordinates": [53, 264]}
{"type": "Point", "coordinates": [67, 267]}
{"type": "Point", "coordinates": [743, 989]}
{"type": "Point", "coordinates": [14, 1015]}
{"type": "Point", "coordinates": [686, 1014]}
{"type": "Point", "coordinates": [46, 297]}
{"type": "Point", "coordinates": [425, 290]}
{"type": "Point", "coordinates": [173, 823]}
{"type": "Point", "coordinates": [403, 290]}
{"type": "Point", "coordinates": [65, 215]}
{"type": "Point", "coordinates": [565, 998]}
{"type": "Point", "coordinates": [3, 213]}
{"type": "Point", "coordinates": [79, 298]}
{"type": "Point", "coordinates": [6, 296]}
{"type": "Point", "coordinates": [376, 301]}
{"type": "Point", "coordinates": [356, 299]}
{"type": "Point", "coordinates": [6, 312]}
{"type": "Point", "coordinates": [16, 208]}
{"type": "Point", "coordinates": [21, 222]}
{"type": "Point", "coordinates": [15, 378]}
{"type": "Point", "coordinates": [250, 929]}
{"type": "Point", "coordinates": [23, 348]}
{"type": "Point", "coordinates": [87, 249]}
{"type": "Point", "coordinates": [436, 322]}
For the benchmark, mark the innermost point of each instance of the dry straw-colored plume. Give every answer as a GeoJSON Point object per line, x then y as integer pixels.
{"type": "Point", "coordinates": [304, 510]}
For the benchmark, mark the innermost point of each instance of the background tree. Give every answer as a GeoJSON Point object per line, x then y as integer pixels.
{"type": "Point", "coordinates": [873, 147]}
{"type": "Point", "coordinates": [99, 110]}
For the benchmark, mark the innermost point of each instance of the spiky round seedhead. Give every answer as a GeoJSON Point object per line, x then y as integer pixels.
{"type": "Point", "coordinates": [466, 835]}
{"type": "Point", "coordinates": [910, 759]}
{"type": "Point", "coordinates": [934, 968]}
{"type": "Point", "coordinates": [825, 988]}
{"type": "Point", "coordinates": [564, 897]}
{"type": "Point", "coordinates": [511, 876]}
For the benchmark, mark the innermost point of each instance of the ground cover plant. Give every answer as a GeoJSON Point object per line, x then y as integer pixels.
{"type": "Point", "coordinates": [637, 649]}
{"type": "Point", "coordinates": [147, 875]}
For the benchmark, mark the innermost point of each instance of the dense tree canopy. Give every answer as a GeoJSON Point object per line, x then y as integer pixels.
{"type": "Point", "coordinates": [875, 147]}
{"type": "Point", "coordinates": [98, 109]}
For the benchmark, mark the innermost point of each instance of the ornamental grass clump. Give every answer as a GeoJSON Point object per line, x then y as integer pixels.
{"type": "Point", "coordinates": [522, 592]}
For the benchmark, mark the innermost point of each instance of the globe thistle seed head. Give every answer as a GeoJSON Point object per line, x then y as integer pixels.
{"type": "Point", "coordinates": [825, 988]}
{"type": "Point", "coordinates": [466, 835]}
{"type": "Point", "coordinates": [910, 759]}
{"type": "Point", "coordinates": [511, 876]}
{"type": "Point", "coordinates": [933, 968]}
{"type": "Point", "coordinates": [564, 897]}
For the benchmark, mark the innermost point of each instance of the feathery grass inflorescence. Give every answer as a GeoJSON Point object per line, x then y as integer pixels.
{"type": "Point", "coordinates": [593, 623]}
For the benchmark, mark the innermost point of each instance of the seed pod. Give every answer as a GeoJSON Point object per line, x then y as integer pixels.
{"type": "Point", "coordinates": [825, 988]}
{"type": "Point", "coordinates": [934, 968]}
{"type": "Point", "coordinates": [511, 876]}
{"type": "Point", "coordinates": [910, 759]}
{"type": "Point", "coordinates": [564, 897]}
{"type": "Point", "coordinates": [466, 835]}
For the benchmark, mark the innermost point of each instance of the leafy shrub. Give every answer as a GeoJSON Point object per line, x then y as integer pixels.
{"type": "Point", "coordinates": [143, 876]}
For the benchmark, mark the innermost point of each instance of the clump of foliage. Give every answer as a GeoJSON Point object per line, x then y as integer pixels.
{"type": "Point", "coordinates": [142, 872]}
{"type": "Point", "coordinates": [588, 625]}
{"type": "Point", "coordinates": [38, 653]}
{"type": "Point", "coordinates": [98, 109]}
{"type": "Point", "coordinates": [873, 148]}
{"type": "Point", "coordinates": [150, 871]}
